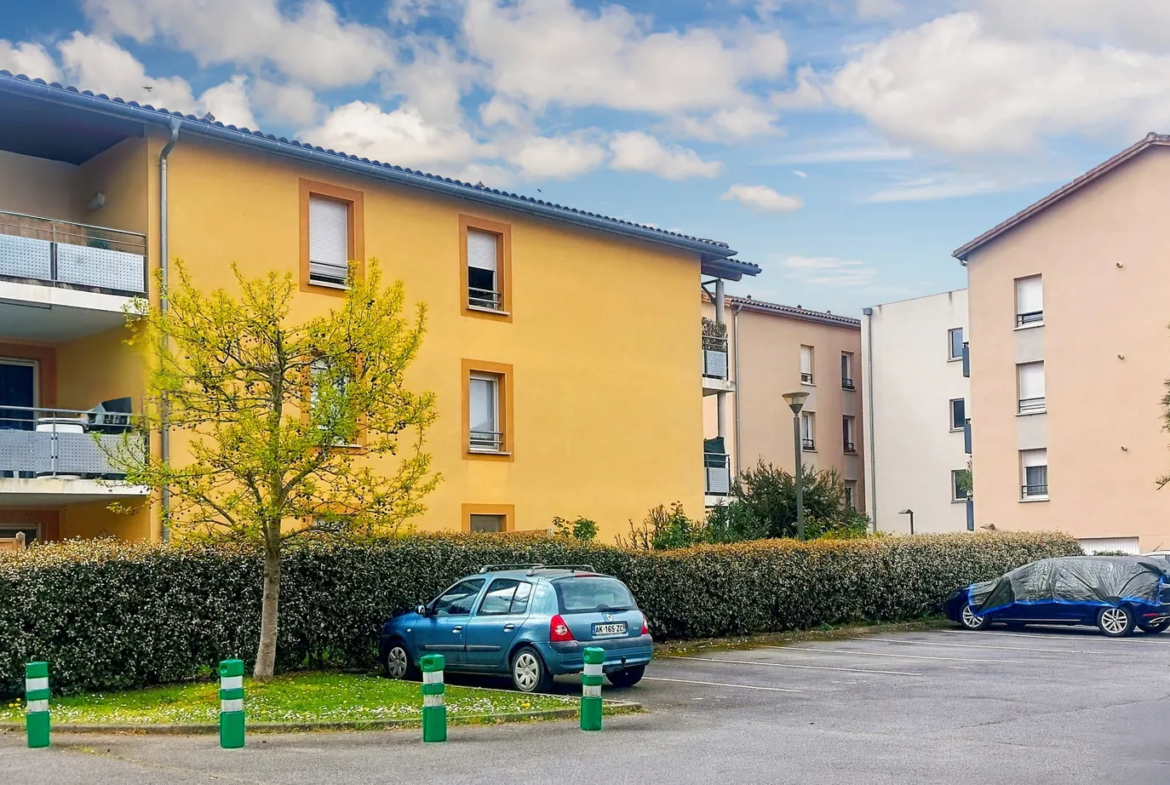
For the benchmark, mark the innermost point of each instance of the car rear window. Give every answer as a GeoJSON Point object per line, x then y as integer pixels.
{"type": "Point", "coordinates": [594, 594]}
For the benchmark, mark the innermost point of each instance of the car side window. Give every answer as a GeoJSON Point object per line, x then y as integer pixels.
{"type": "Point", "coordinates": [520, 601]}
{"type": "Point", "coordinates": [457, 600]}
{"type": "Point", "coordinates": [498, 599]}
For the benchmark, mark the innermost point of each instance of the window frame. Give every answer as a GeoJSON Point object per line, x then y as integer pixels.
{"type": "Point", "coordinates": [1024, 484]}
{"type": "Point", "coordinates": [47, 522]}
{"type": "Point", "coordinates": [812, 363]}
{"type": "Point", "coordinates": [955, 497]}
{"type": "Point", "coordinates": [847, 381]}
{"type": "Point", "coordinates": [951, 412]}
{"type": "Point", "coordinates": [850, 493]}
{"type": "Point", "coordinates": [951, 356]}
{"type": "Point", "coordinates": [355, 203]}
{"type": "Point", "coordinates": [479, 609]}
{"type": "Point", "coordinates": [1022, 320]}
{"type": "Point", "coordinates": [433, 604]}
{"type": "Point", "coordinates": [503, 233]}
{"type": "Point", "coordinates": [508, 511]}
{"type": "Point", "coordinates": [1033, 408]}
{"type": "Point", "coordinates": [310, 385]}
{"type": "Point", "coordinates": [849, 434]}
{"type": "Point", "coordinates": [808, 443]}
{"type": "Point", "coordinates": [504, 408]}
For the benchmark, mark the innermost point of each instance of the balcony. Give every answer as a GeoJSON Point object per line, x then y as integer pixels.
{"type": "Point", "coordinates": [717, 466]}
{"type": "Point", "coordinates": [60, 280]}
{"type": "Point", "coordinates": [58, 456]}
{"type": "Point", "coordinates": [716, 366]}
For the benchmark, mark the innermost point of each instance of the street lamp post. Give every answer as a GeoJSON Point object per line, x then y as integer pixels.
{"type": "Point", "coordinates": [911, 514]}
{"type": "Point", "coordinates": [795, 402]}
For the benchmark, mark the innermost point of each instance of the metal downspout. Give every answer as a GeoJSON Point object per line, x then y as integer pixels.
{"type": "Point", "coordinates": [164, 306]}
{"type": "Point", "coordinates": [735, 337]}
{"type": "Point", "coordinates": [872, 489]}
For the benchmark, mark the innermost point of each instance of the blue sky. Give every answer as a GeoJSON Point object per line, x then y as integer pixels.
{"type": "Point", "coordinates": [846, 146]}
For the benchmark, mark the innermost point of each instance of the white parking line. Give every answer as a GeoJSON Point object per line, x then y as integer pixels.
{"type": "Point", "coordinates": [984, 646]}
{"type": "Point", "coordinates": [1087, 636]}
{"type": "Point", "coordinates": [883, 654]}
{"type": "Point", "coordinates": [791, 665]}
{"type": "Point", "coordinates": [721, 684]}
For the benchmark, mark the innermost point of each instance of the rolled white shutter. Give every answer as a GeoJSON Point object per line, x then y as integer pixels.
{"type": "Point", "coordinates": [1031, 381]}
{"type": "Point", "coordinates": [806, 359]}
{"type": "Point", "coordinates": [482, 248]}
{"type": "Point", "coordinates": [1031, 458]}
{"type": "Point", "coordinates": [1029, 295]}
{"type": "Point", "coordinates": [328, 240]}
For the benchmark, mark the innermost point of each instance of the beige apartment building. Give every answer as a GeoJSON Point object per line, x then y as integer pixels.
{"type": "Point", "coordinates": [771, 350]}
{"type": "Point", "coordinates": [1069, 350]}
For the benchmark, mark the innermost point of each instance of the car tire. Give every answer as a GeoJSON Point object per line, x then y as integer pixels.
{"type": "Point", "coordinates": [398, 663]}
{"type": "Point", "coordinates": [528, 671]}
{"type": "Point", "coordinates": [1154, 629]}
{"type": "Point", "coordinates": [627, 677]}
{"type": "Point", "coordinates": [1115, 622]}
{"type": "Point", "coordinates": [969, 620]}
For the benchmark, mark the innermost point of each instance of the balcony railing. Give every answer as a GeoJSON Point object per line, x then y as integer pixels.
{"type": "Point", "coordinates": [806, 378]}
{"type": "Point", "coordinates": [808, 444]}
{"type": "Point", "coordinates": [1030, 491]}
{"type": "Point", "coordinates": [71, 254]}
{"type": "Point", "coordinates": [715, 365]}
{"type": "Point", "coordinates": [485, 298]}
{"type": "Point", "coordinates": [847, 384]}
{"type": "Point", "coordinates": [1031, 405]}
{"type": "Point", "coordinates": [37, 442]}
{"type": "Point", "coordinates": [850, 447]}
{"type": "Point", "coordinates": [717, 466]}
{"type": "Point", "coordinates": [1031, 317]}
{"type": "Point", "coordinates": [486, 441]}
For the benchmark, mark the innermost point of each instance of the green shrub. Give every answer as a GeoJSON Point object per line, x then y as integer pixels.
{"type": "Point", "coordinates": [767, 496]}
{"type": "Point", "coordinates": [111, 615]}
{"type": "Point", "coordinates": [581, 529]}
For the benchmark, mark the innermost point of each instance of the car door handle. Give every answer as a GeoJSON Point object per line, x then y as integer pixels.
{"type": "Point", "coordinates": [509, 627]}
{"type": "Point", "coordinates": [457, 629]}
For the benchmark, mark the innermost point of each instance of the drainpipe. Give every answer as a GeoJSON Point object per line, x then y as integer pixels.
{"type": "Point", "coordinates": [872, 489]}
{"type": "Point", "coordinates": [164, 304]}
{"type": "Point", "coordinates": [735, 337]}
{"type": "Point", "coordinates": [721, 397]}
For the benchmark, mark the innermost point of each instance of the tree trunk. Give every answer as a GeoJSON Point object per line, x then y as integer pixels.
{"type": "Point", "coordinates": [270, 604]}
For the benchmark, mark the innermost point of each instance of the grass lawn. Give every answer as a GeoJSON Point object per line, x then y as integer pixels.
{"type": "Point", "coordinates": [294, 698]}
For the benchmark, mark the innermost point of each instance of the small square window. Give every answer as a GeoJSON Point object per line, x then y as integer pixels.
{"type": "Point", "coordinates": [955, 337]}
{"type": "Point", "coordinates": [958, 414]}
{"type": "Point", "coordinates": [488, 523]}
{"type": "Point", "coordinates": [959, 489]}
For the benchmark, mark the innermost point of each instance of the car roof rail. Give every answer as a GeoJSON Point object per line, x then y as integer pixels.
{"type": "Point", "coordinates": [570, 567]}
{"type": "Point", "coordinates": [498, 567]}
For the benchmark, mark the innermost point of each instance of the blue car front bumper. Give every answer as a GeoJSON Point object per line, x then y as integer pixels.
{"type": "Point", "coordinates": [620, 653]}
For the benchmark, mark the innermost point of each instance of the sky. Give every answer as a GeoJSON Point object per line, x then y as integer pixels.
{"type": "Point", "coordinates": [845, 146]}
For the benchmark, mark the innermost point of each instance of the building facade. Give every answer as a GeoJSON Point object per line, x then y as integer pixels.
{"type": "Point", "coordinates": [1070, 355]}
{"type": "Point", "coordinates": [917, 413]}
{"type": "Point", "coordinates": [547, 405]}
{"type": "Point", "coordinates": [777, 349]}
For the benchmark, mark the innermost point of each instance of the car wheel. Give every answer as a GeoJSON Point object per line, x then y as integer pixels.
{"type": "Point", "coordinates": [398, 664]}
{"type": "Point", "coordinates": [1154, 629]}
{"type": "Point", "coordinates": [970, 620]}
{"type": "Point", "coordinates": [627, 677]}
{"type": "Point", "coordinates": [529, 673]}
{"type": "Point", "coordinates": [1115, 622]}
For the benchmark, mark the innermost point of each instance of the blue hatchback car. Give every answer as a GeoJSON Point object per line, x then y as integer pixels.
{"type": "Point", "coordinates": [529, 621]}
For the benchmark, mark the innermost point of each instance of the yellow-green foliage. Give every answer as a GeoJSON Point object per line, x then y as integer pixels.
{"type": "Point", "coordinates": [109, 615]}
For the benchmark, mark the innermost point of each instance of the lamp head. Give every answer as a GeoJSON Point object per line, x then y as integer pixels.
{"type": "Point", "coordinates": [796, 401]}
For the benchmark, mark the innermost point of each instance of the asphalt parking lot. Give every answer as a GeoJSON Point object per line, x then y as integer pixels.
{"type": "Point", "coordinates": [1043, 705]}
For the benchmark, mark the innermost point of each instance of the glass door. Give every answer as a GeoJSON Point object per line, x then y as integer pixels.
{"type": "Point", "coordinates": [18, 394]}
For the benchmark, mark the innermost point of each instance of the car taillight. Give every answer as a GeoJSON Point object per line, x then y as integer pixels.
{"type": "Point", "coordinates": [645, 627]}
{"type": "Point", "coordinates": [558, 631]}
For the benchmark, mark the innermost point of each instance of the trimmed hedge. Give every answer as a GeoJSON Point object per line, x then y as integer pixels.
{"type": "Point", "coordinates": [112, 615]}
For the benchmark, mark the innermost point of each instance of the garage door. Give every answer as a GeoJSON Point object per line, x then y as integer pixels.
{"type": "Point", "coordinates": [1094, 545]}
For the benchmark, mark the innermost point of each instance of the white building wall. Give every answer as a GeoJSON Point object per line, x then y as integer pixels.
{"type": "Point", "coordinates": [909, 381]}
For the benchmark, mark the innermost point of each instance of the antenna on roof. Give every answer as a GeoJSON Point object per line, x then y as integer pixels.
{"type": "Point", "coordinates": [209, 117]}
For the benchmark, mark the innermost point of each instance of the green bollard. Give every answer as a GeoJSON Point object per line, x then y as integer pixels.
{"type": "Point", "coordinates": [36, 696]}
{"type": "Point", "coordinates": [434, 713]}
{"type": "Point", "coordinates": [231, 704]}
{"type": "Point", "coordinates": [591, 689]}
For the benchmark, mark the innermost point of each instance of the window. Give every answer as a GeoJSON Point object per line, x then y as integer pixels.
{"type": "Point", "coordinates": [331, 237]}
{"type": "Point", "coordinates": [955, 336]}
{"type": "Point", "coordinates": [1034, 469]}
{"type": "Point", "coordinates": [457, 600]}
{"type": "Point", "coordinates": [806, 364]}
{"type": "Point", "coordinates": [808, 430]}
{"type": "Point", "coordinates": [18, 394]}
{"type": "Point", "coordinates": [329, 389]}
{"type": "Point", "coordinates": [847, 434]}
{"type": "Point", "coordinates": [488, 523]}
{"type": "Point", "coordinates": [1032, 400]}
{"type": "Point", "coordinates": [487, 410]}
{"type": "Point", "coordinates": [505, 596]}
{"type": "Point", "coordinates": [1029, 301]}
{"type": "Point", "coordinates": [485, 254]}
{"type": "Point", "coordinates": [851, 494]}
{"type": "Point", "coordinates": [959, 490]}
{"type": "Point", "coordinates": [958, 414]}
{"type": "Point", "coordinates": [846, 371]}
{"type": "Point", "coordinates": [593, 595]}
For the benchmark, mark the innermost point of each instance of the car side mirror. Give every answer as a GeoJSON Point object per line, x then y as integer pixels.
{"type": "Point", "coordinates": [421, 610]}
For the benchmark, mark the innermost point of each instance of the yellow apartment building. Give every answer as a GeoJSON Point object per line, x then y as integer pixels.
{"type": "Point", "coordinates": [564, 347]}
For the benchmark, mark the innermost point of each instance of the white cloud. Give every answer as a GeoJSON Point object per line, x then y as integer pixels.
{"type": "Point", "coordinates": [408, 12]}
{"type": "Point", "coordinates": [556, 157]}
{"type": "Point", "coordinates": [1142, 24]}
{"type": "Point", "coordinates": [807, 94]}
{"type": "Point", "coordinates": [762, 199]}
{"type": "Point", "coordinates": [829, 271]}
{"type": "Point", "coordinates": [98, 64]}
{"type": "Point", "coordinates": [312, 46]}
{"type": "Point", "coordinates": [949, 185]}
{"type": "Point", "coordinates": [542, 52]}
{"type": "Point", "coordinates": [290, 103]}
{"type": "Point", "coordinates": [800, 174]}
{"type": "Point", "coordinates": [634, 151]}
{"type": "Point", "coordinates": [228, 103]}
{"type": "Point", "coordinates": [400, 137]}
{"type": "Point", "coordinates": [734, 124]}
{"type": "Point", "coordinates": [501, 110]}
{"type": "Point", "coordinates": [848, 154]}
{"type": "Point", "coordinates": [879, 9]}
{"type": "Point", "coordinates": [955, 85]}
{"type": "Point", "coordinates": [24, 57]}
{"type": "Point", "coordinates": [434, 81]}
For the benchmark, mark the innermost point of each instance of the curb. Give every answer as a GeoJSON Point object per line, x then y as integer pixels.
{"type": "Point", "coordinates": [200, 728]}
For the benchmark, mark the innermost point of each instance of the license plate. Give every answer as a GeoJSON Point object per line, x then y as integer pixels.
{"type": "Point", "coordinates": [609, 629]}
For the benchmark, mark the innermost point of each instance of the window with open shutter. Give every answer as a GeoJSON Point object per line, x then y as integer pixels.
{"type": "Point", "coordinates": [1029, 300]}
{"type": "Point", "coordinates": [806, 364]}
{"type": "Point", "coordinates": [1032, 395]}
{"type": "Point", "coordinates": [483, 252]}
{"type": "Point", "coordinates": [328, 241]}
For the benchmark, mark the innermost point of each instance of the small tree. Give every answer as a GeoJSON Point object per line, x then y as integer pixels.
{"type": "Point", "coordinates": [768, 495]}
{"type": "Point", "coordinates": [287, 426]}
